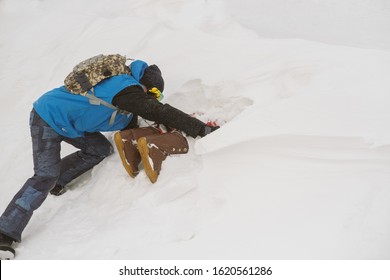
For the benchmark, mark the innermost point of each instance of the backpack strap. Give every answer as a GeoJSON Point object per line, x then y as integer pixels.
{"type": "Point", "coordinates": [97, 101]}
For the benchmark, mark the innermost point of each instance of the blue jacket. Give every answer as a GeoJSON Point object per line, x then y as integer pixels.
{"type": "Point", "coordinates": [72, 115]}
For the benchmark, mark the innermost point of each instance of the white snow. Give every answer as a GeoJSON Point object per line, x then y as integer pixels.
{"type": "Point", "coordinates": [300, 168]}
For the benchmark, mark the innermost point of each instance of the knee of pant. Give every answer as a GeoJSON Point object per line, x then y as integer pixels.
{"type": "Point", "coordinates": [108, 150]}
{"type": "Point", "coordinates": [102, 151]}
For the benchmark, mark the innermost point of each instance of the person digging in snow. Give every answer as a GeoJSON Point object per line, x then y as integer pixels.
{"type": "Point", "coordinates": [60, 116]}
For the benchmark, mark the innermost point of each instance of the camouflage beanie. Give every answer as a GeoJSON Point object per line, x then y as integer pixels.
{"type": "Point", "coordinates": [152, 78]}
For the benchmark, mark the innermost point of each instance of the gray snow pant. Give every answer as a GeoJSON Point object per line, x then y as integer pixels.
{"type": "Point", "coordinates": [49, 170]}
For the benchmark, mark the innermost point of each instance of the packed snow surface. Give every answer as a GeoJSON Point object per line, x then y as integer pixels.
{"type": "Point", "coordinates": [300, 168]}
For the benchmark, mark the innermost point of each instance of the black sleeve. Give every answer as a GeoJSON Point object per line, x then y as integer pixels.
{"type": "Point", "coordinates": [133, 99]}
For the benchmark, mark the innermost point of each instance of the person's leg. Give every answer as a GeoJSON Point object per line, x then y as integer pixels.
{"type": "Point", "coordinates": [46, 154]}
{"type": "Point", "coordinates": [94, 147]}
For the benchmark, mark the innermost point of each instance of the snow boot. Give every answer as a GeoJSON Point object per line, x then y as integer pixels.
{"type": "Point", "coordinates": [58, 190]}
{"type": "Point", "coordinates": [6, 250]}
{"type": "Point", "coordinates": [126, 144]}
{"type": "Point", "coordinates": [154, 149]}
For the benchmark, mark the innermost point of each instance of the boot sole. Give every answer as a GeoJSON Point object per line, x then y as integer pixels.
{"type": "Point", "coordinates": [121, 150]}
{"type": "Point", "coordinates": [7, 253]}
{"type": "Point", "coordinates": [144, 152]}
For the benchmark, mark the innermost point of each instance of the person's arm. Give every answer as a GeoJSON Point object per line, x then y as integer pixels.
{"type": "Point", "coordinates": [133, 99]}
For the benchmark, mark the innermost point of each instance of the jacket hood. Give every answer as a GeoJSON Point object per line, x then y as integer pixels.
{"type": "Point", "coordinates": [137, 69]}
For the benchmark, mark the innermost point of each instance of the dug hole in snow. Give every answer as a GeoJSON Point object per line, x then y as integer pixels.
{"type": "Point", "coordinates": [298, 170]}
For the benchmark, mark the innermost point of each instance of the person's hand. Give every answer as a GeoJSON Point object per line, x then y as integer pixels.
{"type": "Point", "coordinates": [207, 129]}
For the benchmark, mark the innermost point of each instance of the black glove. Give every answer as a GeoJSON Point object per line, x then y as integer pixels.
{"type": "Point", "coordinates": [207, 129]}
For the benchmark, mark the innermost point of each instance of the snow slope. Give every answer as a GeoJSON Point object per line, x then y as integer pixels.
{"type": "Point", "coordinates": [300, 168]}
